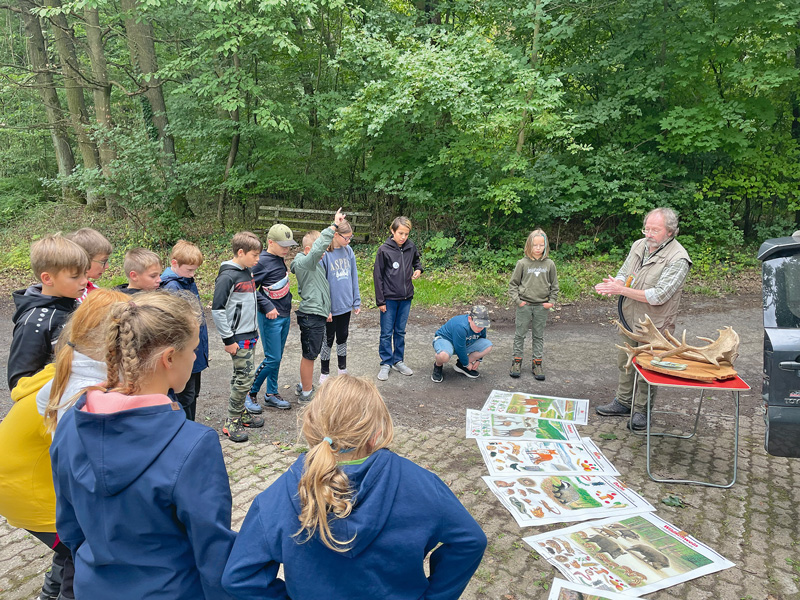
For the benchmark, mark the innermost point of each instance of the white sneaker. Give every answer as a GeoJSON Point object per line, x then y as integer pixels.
{"type": "Point", "coordinates": [402, 368]}
{"type": "Point", "coordinates": [383, 374]}
{"type": "Point", "coordinates": [323, 377]}
{"type": "Point", "coordinates": [342, 372]}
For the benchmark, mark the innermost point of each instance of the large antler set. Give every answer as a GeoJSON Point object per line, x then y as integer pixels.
{"type": "Point", "coordinates": [724, 349]}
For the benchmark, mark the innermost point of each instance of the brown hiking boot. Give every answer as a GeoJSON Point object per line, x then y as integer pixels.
{"type": "Point", "coordinates": [516, 367]}
{"type": "Point", "coordinates": [538, 369]}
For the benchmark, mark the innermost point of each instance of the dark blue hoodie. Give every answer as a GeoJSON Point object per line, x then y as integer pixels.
{"type": "Point", "coordinates": [173, 282]}
{"type": "Point", "coordinates": [401, 513]}
{"type": "Point", "coordinates": [143, 503]}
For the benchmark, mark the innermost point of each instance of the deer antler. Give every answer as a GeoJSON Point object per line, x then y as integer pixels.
{"type": "Point", "coordinates": [724, 349]}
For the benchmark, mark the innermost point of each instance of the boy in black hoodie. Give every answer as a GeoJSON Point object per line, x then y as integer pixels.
{"type": "Point", "coordinates": [42, 309]}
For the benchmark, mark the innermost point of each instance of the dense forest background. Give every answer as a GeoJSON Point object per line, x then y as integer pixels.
{"type": "Point", "coordinates": [480, 119]}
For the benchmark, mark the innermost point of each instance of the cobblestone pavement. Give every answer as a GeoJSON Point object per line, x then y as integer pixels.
{"type": "Point", "coordinates": [754, 524]}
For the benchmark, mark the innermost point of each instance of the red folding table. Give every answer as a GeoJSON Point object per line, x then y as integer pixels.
{"type": "Point", "coordinates": [655, 380]}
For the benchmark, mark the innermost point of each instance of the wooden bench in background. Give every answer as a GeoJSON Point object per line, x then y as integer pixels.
{"type": "Point", "coordinates": [303, 220]}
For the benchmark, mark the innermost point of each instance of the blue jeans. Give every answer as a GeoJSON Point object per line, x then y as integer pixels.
{"type": "Point", "coordinates": [273, 339]}
{"type": "Point", "coordinates": [393, 329]}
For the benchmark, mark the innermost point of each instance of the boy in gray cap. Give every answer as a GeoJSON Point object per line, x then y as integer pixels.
{"type": "Point", "coordinates": [464, 336]}
{"type": "Point", "coordinates": [274, 312]}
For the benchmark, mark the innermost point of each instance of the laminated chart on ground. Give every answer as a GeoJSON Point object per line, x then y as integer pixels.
{"type": "Point", "coordinates": [507, 457]}
{"type": "Point", "coordinates": [499, 425]}
{"type": "Point", "coordinates": [566, 590]}
{"type": "Point", "coordinates": [543, 407]}
{"type": "Point", "coordinates": [548, 499]}
{"type": "Point", "coordinates": [635, 555]}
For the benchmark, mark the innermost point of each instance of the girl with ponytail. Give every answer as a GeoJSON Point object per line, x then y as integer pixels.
{"type": "Point", "coordinates": [143, 500]}
{"type": "Point", "coordinates": [351, 519]}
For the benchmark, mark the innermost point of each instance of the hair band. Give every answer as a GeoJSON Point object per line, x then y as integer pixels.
{"type": "Point", "coordinates": [71, 344]}
{"type": "Point", "coordinates": [327, 439]}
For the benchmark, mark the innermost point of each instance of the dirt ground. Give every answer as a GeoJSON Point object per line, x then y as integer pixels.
{"type": "Point", "coordinates": [579, 360]}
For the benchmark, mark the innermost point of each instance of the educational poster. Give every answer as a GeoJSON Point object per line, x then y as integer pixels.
{"type": "Point", "coordinates": [634, 555]}
{"type": "Point", "coordinates": [547, 499]}
{"type": "Point", "coordinates": [544, 407]}
{"type": "Point", "coordinates": [519, 427]}
{"type": "Point", "coordinates": [506, 457]}
{"type": "Point", "coordinates": [566, 590]}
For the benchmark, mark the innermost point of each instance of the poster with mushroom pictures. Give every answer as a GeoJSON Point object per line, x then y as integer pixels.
{"type": "Point", "coordinates": [519, 427]}
{"type": "Point", "coordinates": [547, 499]}
{"type": "Point", "coordinates": [537, 457]}
{"type": "Point", "coordinates": [566, 590]}
{"type": "Point", "coordinates": [543, 407]}
{"type": "Point", "coordinates": [633, 555]}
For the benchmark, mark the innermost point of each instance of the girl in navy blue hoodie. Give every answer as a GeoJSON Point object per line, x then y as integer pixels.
{"type": "Point", "coordinates": [351, 519]}
{"type": "Point", "coordinates": [142, 494]}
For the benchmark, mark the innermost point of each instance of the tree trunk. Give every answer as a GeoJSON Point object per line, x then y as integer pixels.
{"type": "Point", "coordinates": [534, 62]}
{"type": "Point", "coordinates": [73, 85]}
{"type": "Point", "coordinates": [141, 45]}
{"type": "Point", "coordinates": [232, 152]}
{"type": "Point", "coordinates": [47, 91]}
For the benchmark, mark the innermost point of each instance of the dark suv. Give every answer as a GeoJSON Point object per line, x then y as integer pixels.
{"type": "Point", "coordinates": [781, 386]}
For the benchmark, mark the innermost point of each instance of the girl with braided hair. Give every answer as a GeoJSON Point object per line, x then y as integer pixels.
{"type": "Point", "coordinates": [351, 519]}
{"type": "Point", "coordinates": [142, 494]}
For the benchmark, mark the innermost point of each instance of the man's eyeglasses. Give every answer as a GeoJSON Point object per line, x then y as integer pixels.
{"type": "Point", "coordinates": [647, 231]}
{"type": "Point", "coordinates": [103, 263]}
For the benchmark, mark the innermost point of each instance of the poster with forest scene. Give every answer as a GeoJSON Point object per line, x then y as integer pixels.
{"type": "Point", "coordinates": [548, 499]}
{"type": "Point", "coordinates": [543, 407]}
{"type": "Point", "coordinates": [499, 425]}
{"type": "Point", "coordinates": [538, 457]}
{"type": "Point", "coordinates": [633, 555]}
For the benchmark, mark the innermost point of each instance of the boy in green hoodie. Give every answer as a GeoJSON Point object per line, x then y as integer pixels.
{"type": "Point", "coordinates": [315, 301]}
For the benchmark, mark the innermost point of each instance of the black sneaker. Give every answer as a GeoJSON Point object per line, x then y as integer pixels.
{"type": "Point", "coordinates": [251, 420]}
{"type": "Point", "coordinates": [471, 373]}
{"type": "Point", "coordinates": [234, 429]}
{"type": "Point", "coordinates": [275, 401]}
{"type": "Point", "coordinates": [615, 408]}
{"type": "Point", "coordinates": [437, 374]}
{"type": "Point", "coordinates": [638, 423]}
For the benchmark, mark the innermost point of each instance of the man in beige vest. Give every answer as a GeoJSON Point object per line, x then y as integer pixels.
{"type": "Point", "coordinates": [651, 282]}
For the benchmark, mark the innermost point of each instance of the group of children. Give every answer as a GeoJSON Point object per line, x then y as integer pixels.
{"type": "Point", "coordinates": [115, 383]}
{"type": "Point", "coordinates": [134, 497]}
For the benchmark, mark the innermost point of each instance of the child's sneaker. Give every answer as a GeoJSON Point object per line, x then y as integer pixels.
{"type": "Point", "coordinates": [323, 377]}
{"type": "Point", "coordinates": [538, 369]}
{"type": "Point", "coordinates": [305, 398]}
{"type": "Point", "coordinates": [383, 374]}
{"type": "Point", "coordinates": [471, 373]}
{"type": "Point", "coordinates": [252, 421]}
{"type": "Point", "coordinates": [402, 368]}
{"type": "Point", "coordinates": [275, 401]}
{"type": "Point", "coordinates": [516, 367]}
{"type": "Point", "coordinates": [437, 374]}
{"type": "Point", "coordinates": [342, 372]}
{"type": "Point", "coordinates": [251, 404]}
{"type": "Point", "coordinates": [234, 429]}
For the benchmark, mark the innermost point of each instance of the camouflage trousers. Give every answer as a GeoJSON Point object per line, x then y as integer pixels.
{"type": "Point", "coordinates": [241, 381]}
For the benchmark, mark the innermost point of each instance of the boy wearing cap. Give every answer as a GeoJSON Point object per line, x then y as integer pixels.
{"type": "Point", "coordinates": [464, 336]}
{"type": "Point", "coordinates": [274, 312]}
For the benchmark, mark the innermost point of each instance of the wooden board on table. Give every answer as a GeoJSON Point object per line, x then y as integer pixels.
{"type": "Point", "coordinates": [695, 370]}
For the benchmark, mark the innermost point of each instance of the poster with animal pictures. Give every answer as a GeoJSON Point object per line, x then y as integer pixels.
{"type": "Point", "coordinates": [543, 407]}
{"type": "Point", "coordinates": [519, 427]}
{"type": "Point", "coordinates": [566, 590]}
{"type": "Point", "coordinates": [633, 555]}
{"type": "Point", "coordinates": [547, 499]}
{"type": "Point", "coordinates": [536, 457]}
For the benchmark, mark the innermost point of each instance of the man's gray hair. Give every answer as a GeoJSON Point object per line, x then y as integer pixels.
{"type": "Point", "coordinates": [670, 219]}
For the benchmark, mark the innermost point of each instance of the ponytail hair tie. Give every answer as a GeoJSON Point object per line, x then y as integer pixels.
{"type": "Point", "coordinates": [71, 345]}
{"type": "Point", "coordinates": [327, 439]}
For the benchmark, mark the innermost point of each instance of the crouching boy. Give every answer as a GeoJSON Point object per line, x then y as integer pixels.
{"type": "Point", "coordinates": [464, 336]}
